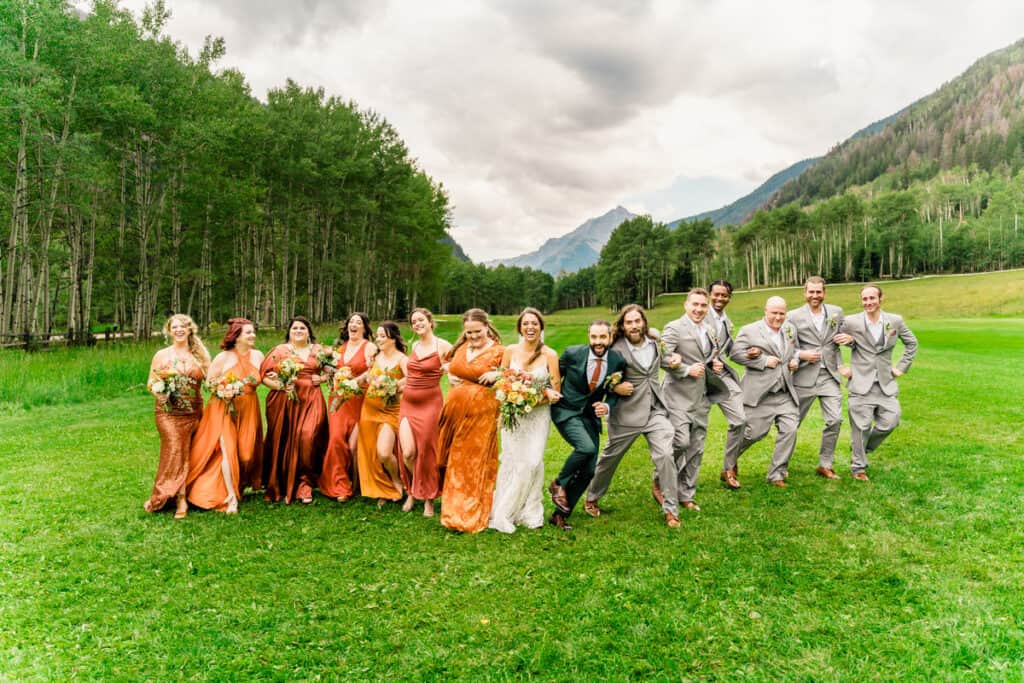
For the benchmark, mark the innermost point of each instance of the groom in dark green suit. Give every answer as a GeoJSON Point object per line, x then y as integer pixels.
{"type": "Point", "coordinates": [587, 396]}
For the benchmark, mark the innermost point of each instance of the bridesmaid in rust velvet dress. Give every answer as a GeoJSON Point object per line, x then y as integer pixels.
{"type": "Point", "coordinates": [468, 444]}
{"type": "Point", "coordinates": [420, 412]}
{"type": "Point", "coordinates": [377, 452]}
{"type": "Point", "coordinates": [177, 415]}
{"type": "Point", "coordinates": [356, 352]}
{"type": "Point", "coordinates": [296, 417]}
{"type": "Point", "coordinates": [228, 448]}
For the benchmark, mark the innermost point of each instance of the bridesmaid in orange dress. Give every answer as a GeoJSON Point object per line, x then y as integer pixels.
{"type": "Point", "coordinates": [377, 452]}
{"type": "Point", "coordinates": [469, 426]}
{"type": "Point", "coordinates": [228, 448]}
{"type": "Point", "coordinates": [177, 415]}
{"type": "Point", "coordinates": [420, 412]}
{"type": "Point", "coordinates": [356, 353]}
{"type": "Point", "coordinates": [296, 416]}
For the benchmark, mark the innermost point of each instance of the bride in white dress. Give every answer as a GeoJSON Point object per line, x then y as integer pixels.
{"type": "Point", "coordinates": [519, 492]}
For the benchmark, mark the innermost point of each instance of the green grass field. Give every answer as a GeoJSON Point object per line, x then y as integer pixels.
{"type": "Point", "coordinates": [915, 576]}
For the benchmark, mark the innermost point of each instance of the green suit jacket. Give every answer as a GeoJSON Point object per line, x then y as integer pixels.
{"type": "Point", "coordinates": [577, 399]}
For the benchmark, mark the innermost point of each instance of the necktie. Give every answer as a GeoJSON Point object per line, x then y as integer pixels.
{"type": "Point", "coordinates": [596, 377]}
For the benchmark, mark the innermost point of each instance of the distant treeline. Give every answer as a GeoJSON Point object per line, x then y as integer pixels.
{"type": "Point", "coordinates": [958, 221]}
{"type": "Point", "coordinates": [138, 180]}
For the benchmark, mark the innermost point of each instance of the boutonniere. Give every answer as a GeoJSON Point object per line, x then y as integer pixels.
{"type": "Point", "coordinates": [888, 329]}
{"type": "Point", "coordinates": [712, 335]}
{"type": "Point", "coordinates": [832, 323]}
{"type": "Point", "coordinates": [789, 332]}
{"type": "Point", "coordinates": [613, 380]}
{"type": "Point", "coordinates": [662, 347]}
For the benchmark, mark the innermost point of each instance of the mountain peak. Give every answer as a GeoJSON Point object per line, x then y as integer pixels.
{"type": "Point", "coordinates": [574, 250]}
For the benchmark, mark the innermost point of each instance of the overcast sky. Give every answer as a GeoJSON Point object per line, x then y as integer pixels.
{"type": "Point", "coordinates": [539, 114]}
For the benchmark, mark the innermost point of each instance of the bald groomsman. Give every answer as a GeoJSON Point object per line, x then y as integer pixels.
{"type": "Point", "coordinates": [769, 396]}
{"type": "Point", "coordinates": [688, 387]}
{"type": "Point", "coordinates": [817, 326]}
{"type": "Point", "coordinates": [731, 404]}
{"type": "Point", "coordinates": [873, 403]}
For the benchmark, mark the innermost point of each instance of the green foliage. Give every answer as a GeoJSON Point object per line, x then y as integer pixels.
{"type": "Point", "coordinates": [141, 180]}
{"type": "Point", "coordinates": [501, 290]}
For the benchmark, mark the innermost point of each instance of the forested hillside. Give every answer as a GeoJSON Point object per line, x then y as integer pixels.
{"type": "Point", "coordinates": [139, 179]}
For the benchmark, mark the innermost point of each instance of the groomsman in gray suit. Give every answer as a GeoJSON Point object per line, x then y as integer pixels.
{"type": "Point", "coordinates": [769, 396]}
{"type": "Point", "coordinates": [640, 410]}
{"type": "Point", "coordinates": [873, 393]}
{"type": "Point", "coordinates": [731, 404]}
{"type": "Point", "coordinates": [688, 388]}
{"type": "Point", "coordinates": [817, 326]}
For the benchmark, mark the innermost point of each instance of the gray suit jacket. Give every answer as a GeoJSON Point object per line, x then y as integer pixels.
{"type": "Point", "coordinates": [870, 363]}
{"type": "Point", "coordinates": [759, 379]}
{"type": "Point", "coordinates": [809, 338]}
{"type": "Point", "coordinates": [635, 410]}
{"type": "Point", "coordinates": [680, 389]}
{"type": "Point", "coordinates": [724, 344]}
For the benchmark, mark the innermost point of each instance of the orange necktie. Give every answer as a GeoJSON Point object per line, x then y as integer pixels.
{"type": "Point", "coordinates": [595, 378]}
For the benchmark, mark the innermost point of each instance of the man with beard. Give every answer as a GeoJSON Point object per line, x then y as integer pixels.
{"type": "Point", "coordinates": [640, 410]}
{"type": "Point", "coordinates": [586, 398]}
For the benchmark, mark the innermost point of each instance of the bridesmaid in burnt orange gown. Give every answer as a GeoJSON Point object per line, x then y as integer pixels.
{"type": "Point", "coordinates": [356, 353]}
{"type": "Point", "coordinates": [228, 447]}
{"type": "Point", "coordinates": [377, 452]}
{"type": "Point", "coordinates": [469, 426]}
{"type": "Point", "coordinates": [296, 416]}
{"type": "Point", "coordinates": [177, 414]}
{"type": "Point", "coordinates": [418, 418]}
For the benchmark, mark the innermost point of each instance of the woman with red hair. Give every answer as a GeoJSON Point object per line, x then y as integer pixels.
{"type": "Point", "coordinates": [228, 447]}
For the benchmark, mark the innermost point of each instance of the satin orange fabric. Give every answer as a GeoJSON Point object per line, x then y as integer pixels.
{"type": "Point", "coordinates": [374, 481]}
{"type": "Point", "coordinates": [336, 475]}
{"type": "Point", "coordinates": [238, 438]}
{"type": "Point", "coordinates": [469, 443]}
{"type": "Point", "coordinates": [176, 429]}
{"type": "Point", "coordinates": [422, 403]}
{"type": "Point", "coordinates": [296, 431]}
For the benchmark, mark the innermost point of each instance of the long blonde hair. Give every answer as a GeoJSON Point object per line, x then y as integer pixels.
{"type": "Point", "coordinates": [195, 344]}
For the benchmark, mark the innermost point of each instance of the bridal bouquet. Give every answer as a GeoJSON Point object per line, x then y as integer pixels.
{"type": "Point", "coordinates": [287, 372]}
{"type": "Point", "coordinates": [229, 386]}
{"type": "Point", "coordinates": [384, 385]}
{"type": "Point", "coordinates": [343, 387]}
{"type": "Point", "coordinates": [517, 396]}
{"type": "Point", "coordinates": [175, 384]}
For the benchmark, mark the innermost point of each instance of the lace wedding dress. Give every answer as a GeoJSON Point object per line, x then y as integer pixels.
{"type": "Point", "coordinates": [519, 493]}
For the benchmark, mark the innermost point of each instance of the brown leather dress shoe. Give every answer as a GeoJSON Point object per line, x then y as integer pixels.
{"type": "Point", "coordinates": [591, 508]}
{"type": "Point", "coordinates": [778, 483]}
{"type": "Point", "coordinates": [671, 521]}
{"type": "Point", "coordinates": [690, 505]}
{"type": "Point", "coordinates": [558, 496]}
{"type": "Point", "coordinates": [730, 480]}
{"type": "Point", "coordinates": [559, 521]}
{"type": "Point", "coordinates": [861, 476]}
{"type": "Point", "coordinates": [826, 472]}
{"type": "Point", "coordinates": [656, 493]}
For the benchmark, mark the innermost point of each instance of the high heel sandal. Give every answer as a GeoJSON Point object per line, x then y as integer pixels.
{"type": "Point", "coordinates": [182, 511]}
{"type": "Point", "coordinates": [232, 508]}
